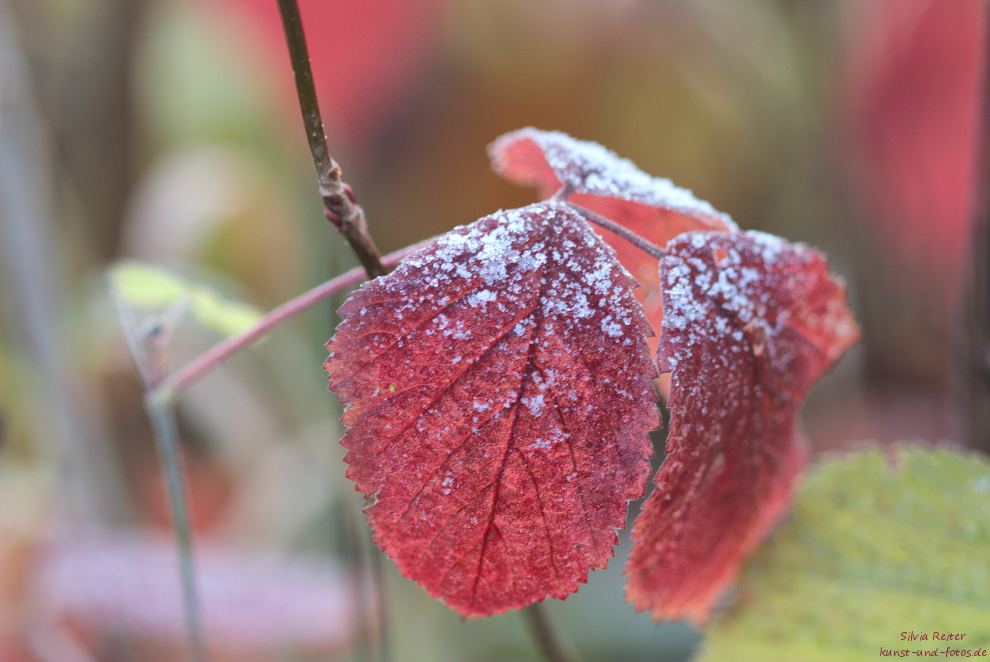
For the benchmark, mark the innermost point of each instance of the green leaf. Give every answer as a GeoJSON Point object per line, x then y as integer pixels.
{"type": "Point", "coordinates": [144, 286]}
{"type": "Point", "coordinates": [877, 546]}
{"type": "Point", "coordinates": [150, 288]}
{"type": "Point", "coordinates": [221, 315]}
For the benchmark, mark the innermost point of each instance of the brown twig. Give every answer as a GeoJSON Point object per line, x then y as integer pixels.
{"type": "Point", "coordinates": [625, 233]}
{"type": "Point", "coordinates": [338, 198]}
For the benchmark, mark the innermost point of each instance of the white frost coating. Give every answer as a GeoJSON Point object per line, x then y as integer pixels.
{"type": "Point", "coordinates": [541, 444]}
{"type": "Point", "coordinates": [581, 278]}
{"type": "Point", "coordinates": [611, 328]}
{"type": "Point", "coordinates": [535, 404]}
{"type": "Point", "coordinates": [770, 245]}
{"type": "Point", "coordinates": [595, 170]}
{"type": "Point", "coordinates": [693, 288]}
{"type": "Point", "coordinates": [482, 297]}
{"type": "Point", "coordinates": [600, 278]}
{"type": "Point", "coordinates": [492, 250]}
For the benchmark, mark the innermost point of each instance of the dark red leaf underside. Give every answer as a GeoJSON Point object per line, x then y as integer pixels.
{"type": "Point", "coordinates": [498, 392]}
{"type": "Point", "coordinates": [751, 323]}
{"type": "Point", "coordinates": [614, 187]}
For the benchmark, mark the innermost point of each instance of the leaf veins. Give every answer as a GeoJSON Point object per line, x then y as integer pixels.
{"type": "Point", "coordinates": [497, 388]}
{"type": "Point", "coordinates": [614, 187]}
{"type": "Point", "coordinates": [751, 323]}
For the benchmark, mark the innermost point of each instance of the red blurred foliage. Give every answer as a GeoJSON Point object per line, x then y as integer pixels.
{"type": "Point", "coordinates": [108, 582]}
{"type": "Point", "coordinates": [751, 324]}
{"type": "Point", "coordinates": [498, 387]}
{"type": "Point", "coordinates": [365, 55]}
{"type": "Point", "coordinates": [211, 491]}
{"type": "Point", "coordinates": [914, 80]}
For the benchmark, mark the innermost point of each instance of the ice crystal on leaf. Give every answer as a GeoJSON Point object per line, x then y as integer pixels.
{"type": "Point", "coordinates": [614, 187]}
{"type": "Point", "coordinates": [498, 396]}
{"type": "Point", "coordinates": [751, 323]}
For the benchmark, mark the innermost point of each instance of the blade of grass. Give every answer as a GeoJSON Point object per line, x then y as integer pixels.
{"type": "Point", "coordinates": [167, 441]}
{"type": "Point", "coordinates": [149, 349]}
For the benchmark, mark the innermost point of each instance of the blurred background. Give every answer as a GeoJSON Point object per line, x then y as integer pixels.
{"type": "Point", "coordinates": [168, 131]}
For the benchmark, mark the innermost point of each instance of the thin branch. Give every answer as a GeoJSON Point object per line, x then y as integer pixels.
{"type": "Point", "coordinates": [181, 379]}
{"type": "Point", "coordinates": [625, 233]}
{"type": "Point", "coordinates": [338, 198]}
{"type": "Point", "coordinates": [549, 640]}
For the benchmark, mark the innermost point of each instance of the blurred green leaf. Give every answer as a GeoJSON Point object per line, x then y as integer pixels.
{"type": "Point", "coordinates": [147, 287]}
{"type": "Point", "coordinates": [144, 286]}
{"type": "Point", "coordinates": [876, 547]}
{"type": "Point", "coordinates": [223, 316]}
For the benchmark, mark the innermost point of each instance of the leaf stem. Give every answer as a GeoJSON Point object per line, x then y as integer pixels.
{"type": "Point", "coordinates": [547, 637]}
{"type": "Point", "coordinates": [181, 379]}
{"type": "Point", "coordinates": [338, 198]}
{"type": "Point", "coordinates": [625, 233]}
{"type": "Point", "coordinates": [167, 440]}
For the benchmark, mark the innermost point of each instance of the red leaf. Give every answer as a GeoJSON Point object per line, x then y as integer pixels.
{"type": "Point", "coordinates": [614, 187]}
{"type": "Point", "coordinates": [752, 323]}
{"type": "Point", "coordinates": [498, 387]}
{"type": "Point", "coordinates": [913, 97]}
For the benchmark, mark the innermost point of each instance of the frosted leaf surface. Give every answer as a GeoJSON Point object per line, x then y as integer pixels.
{"type": "Point", "coordinates": [751, 323]}
{"type": "Point", "coordinates": [652, 207]}
{"type": "Point", "coordinates": [497, 388]}
{"type": "Point", "coordinates": [550, 159]}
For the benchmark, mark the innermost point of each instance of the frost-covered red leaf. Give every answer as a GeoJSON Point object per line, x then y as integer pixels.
{"type": "Point", "coordinates": [614, 187]}
{"type": "Point", "coordinates": [751, 323]}
{"type": "Point", "coordinates": [498, 388]}
{"type": "Point", "coordinates": [551, 159]}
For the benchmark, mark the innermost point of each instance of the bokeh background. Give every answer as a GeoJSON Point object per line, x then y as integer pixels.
{"type": "Point", "coordinates": [168, 131]}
